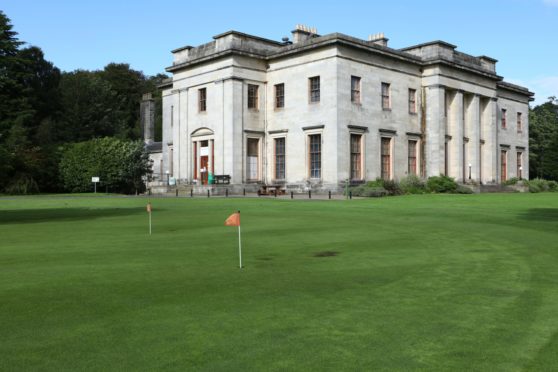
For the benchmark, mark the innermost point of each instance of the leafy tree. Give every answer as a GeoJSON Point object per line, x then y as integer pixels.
{"type": "Point", "coordinates": [120, 164]}
{"type": "Point", "coordinates": [543, 140]}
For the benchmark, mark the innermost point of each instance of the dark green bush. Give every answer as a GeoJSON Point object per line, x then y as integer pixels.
{"type": "Point", "coordinates": [511, 181]}
{"type": "Point", "coordinates": [538, 185]}
{"type": "Point", "coordinates": [441, 184]}
{"type": "Point", "coordinates": [121, 165]}
{"type": "Point", "coordinates": [364, 190]}
{"type": "Point", "coordinates": [22, 184]}
{"type": "Point", "coordinates": [463, 190]}
{"type": "Point", "coordinates": [552, 186]}
{"type": "Point", "coordinates": [378, 182]}
{"type": "Point", "coordinates": [392, 187]}
{"type": "Point", "coordinates": [412, 185]}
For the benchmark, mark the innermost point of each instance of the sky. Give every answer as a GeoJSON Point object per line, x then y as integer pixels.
{"type": "Point", "coordinates": [88, 34]}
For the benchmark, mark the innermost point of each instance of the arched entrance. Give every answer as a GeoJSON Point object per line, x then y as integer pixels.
{"type": "Point", "coordinates": [203, 157]}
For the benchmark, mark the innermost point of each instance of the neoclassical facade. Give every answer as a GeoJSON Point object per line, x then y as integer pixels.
{"type": "Point", "coordinates": [314, 111]}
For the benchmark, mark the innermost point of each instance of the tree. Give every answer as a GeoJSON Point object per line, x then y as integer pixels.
{"type": "Point", "coordinates": [543, 140]}
{"type": "Point", "coordinates": [121, 165]}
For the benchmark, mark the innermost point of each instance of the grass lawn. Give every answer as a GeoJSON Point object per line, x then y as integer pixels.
{"type": "Point", "coordinates": [433, 282]}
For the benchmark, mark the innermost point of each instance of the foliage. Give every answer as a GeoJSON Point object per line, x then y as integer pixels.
{"type": "Point", "coordinates": [511, 181]}
{"type": "Point", "coordinates": [41, 109]}
{"type": "Point", "coordinates": [412, 184]}
{"type": "Point", "coordinates": [537, 185]}
{"type": "Point", "coordinates": [121, 165]}
{"type": "Point", "coordinates": [543, 140]}
{"type": "Point", "coordinates": [441, 184]}
{"type": "Point", "coordinates": [462, 189]}
{"type": "Point", "coordinates": [367, 191]}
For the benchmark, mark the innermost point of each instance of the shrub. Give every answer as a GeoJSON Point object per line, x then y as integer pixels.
{"type": "Point", "coordinates": [412, 185]}
{"type": "Point", "coordinates": [392, 187]}
{"type": "Point", "coordinates": [463, 190]}
{"type": "Point", "coordinates": [364, 190]}
{"type": "Point", "coordinates": [22, 184]}
{"type": "Point", "coordinates": [441, 184]}
{"type": "Point", "coordinates": [378, 182]}
{"type": "Point", "coordinates": [538, 185]}
{"type": "Point", "coordinates": [552, 186]}
{"type": "Point", "coordinates": [511, 181]}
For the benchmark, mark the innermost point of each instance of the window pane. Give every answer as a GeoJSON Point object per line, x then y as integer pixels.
{"type": "Point", "coordinates": [252, 96]}
{"type": "Point", "coordinates": [412, 157]}
{"type": "Point", "coordinates": [315, 89]}
{"type": "Point", "coordinates": [280, 95]}
{"type": "Point", "coordinates": [315, 156]}
{"type": "Point", "coordinates": [252, 158]}
{"type": "Point", "coordinates": [280, 158]}
{"type": "Point", "coordinates": [356, 159]}
{"type": "Point", "coordinates": [386, 158]}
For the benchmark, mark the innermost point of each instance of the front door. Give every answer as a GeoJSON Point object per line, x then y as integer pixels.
{"type": "Point", "coordinates": [204, 161]}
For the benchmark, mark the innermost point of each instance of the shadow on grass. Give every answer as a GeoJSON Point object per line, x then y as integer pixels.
{"type": "Point", "coordinates": [63, 214]}
{"type": "Point", "coordinates": [540, 214]}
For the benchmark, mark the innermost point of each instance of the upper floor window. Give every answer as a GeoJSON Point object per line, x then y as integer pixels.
{"type": "Point", "coordinates": [202, 98]}
{"type": "Point", "coordinates": [504, 124]}
{"type": "Point", "coordinates": [412, 101]}
{"type": "Point", "coordinates": [519, 123]}
{"type": "Point", "coordinates": [386, 104]}
{"type": "Point", "coordinates": [279, 95]}
{"type": "Point", "coordinates": [252, 96]}
{"type": "Point", "coordinates": [314, 88]}
{"type": "Point", "coordinates": [355, 89]}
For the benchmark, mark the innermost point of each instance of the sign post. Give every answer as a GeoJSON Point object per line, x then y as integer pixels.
{"type": "Point", "coordinates": [95, 180]}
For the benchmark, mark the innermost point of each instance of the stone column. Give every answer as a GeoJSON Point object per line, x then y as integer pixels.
{"type": "Point", "coordinates": [474, 137]}
{"type": "Point", "coordinates": [494, 149]}
{"type": "Point", "coordinates": [435, 130]}
{"type": "Point", "coordinates": [455, 117]}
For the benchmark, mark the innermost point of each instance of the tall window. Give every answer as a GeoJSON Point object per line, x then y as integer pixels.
{"type": "Point", "coordinates": [355, 89]}
{"type": "Point", "coordinates": [520, 165]}
{"type": "Point", "coordinates": [314, 87]}
{"type": "Point", "coordinates": [356, 157]}
{"type": "Point", "coordinates": [315, 152]}
{"type": "Point", "coordinates": [386, 104]}
{"type": "Point", "coordinates": [519, 123]}
{"type": "Point", "coordinates": [252, 152]}
{"type": "Point", "coordinates": [446, 158]}
{"type": "Point", "coordinates": [504, 165]}
{"type": "Point", "coordinates": [252, 96]}
{"type": "Point", "coordinates": [279, 95]}
{"type": "Point", "coordinates": [386, 158]}
{"type": "Point", "coordinates": [412, 101]}
{"type": "Point", "coordinates": [172, 116]}
{"type": "Point", "coordinates": [504, 119]}
{"type": "Point", "coordinates": [202, 97]}
{"type": "Point", "coordinates": [412, 157]}
{"type": "Point", "coordinates": [280, 158]}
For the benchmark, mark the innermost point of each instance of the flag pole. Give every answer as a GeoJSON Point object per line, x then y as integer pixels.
{"type": "Point", "coordinates": [239, 248]}
{"type": "Point", "coordinates": [149, 223]}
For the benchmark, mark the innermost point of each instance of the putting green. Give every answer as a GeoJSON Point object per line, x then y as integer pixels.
{"type": "Point", "coordinates": [433, 282]}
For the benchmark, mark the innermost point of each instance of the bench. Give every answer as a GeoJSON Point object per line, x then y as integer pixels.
{"type": "Point", "coordinates": [271, 190]}
{"type": "Point", "coordinates": [223, 179]}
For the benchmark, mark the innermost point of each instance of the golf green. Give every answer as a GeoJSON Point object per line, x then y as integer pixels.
{"type": "Point", "coordinates": [430, 282]}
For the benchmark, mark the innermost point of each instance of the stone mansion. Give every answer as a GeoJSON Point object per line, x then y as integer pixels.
{"type": "Point", "coordinates": [314, 111]}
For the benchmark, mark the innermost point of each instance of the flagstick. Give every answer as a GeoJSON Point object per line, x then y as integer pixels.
{"type": "Point", "coordinates": [239, 248]}
{"type": "Point", "coordinates": [149, 223]}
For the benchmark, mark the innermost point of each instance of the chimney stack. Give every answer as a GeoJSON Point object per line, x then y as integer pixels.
{"type": "Point", "coordinates": [302, 33]}
{"type": "Point", "coordinates": [147, 118]}
{"type": "Point", "coordinates": [378, 39]}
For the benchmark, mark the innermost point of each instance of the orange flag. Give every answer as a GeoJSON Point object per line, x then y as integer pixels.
{"type": "Point", "coordinates": [148, 207]}
{"type": "Point", "coordinates": [233, 220]}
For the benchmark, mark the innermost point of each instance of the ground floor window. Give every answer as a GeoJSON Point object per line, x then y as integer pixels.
{"type": "Point", "coordinates": [446, 158]}
{"type": "Point", "coordinates": [280, 158]}
{"type": "Point", "coordinates": [315, 155]}
{"type": "Point", "coordinates": [504, 165]}
{"type": "Point", "coordinates": [252, 159]}
{"type": "Point", "coordinates": [356, 156]}
{"type": "Point", "coordinates": [386, 158]}
{"type": "Point", "coordinates": [412, 157]}
{"type": "Point", "coordinates": [520, 165]}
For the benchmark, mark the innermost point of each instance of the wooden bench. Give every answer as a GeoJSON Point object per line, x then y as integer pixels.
{"type": "Point", "coordinates": [223, 179]}
{"type": "Point", "coordinates": [271, 190]}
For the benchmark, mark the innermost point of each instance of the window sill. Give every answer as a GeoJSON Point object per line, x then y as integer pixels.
{"type": "Point", "coordinates": [386, 109]}
{"type": "Point", "coordinates": [413, 113]}
{"type": "Point", "coordinates": [314, 102]}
